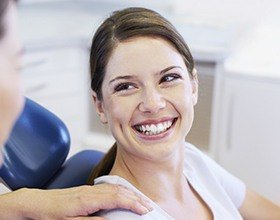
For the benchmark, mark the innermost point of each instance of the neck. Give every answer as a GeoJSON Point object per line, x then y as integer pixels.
{"type": "Point", "coordinates": [158, 179]}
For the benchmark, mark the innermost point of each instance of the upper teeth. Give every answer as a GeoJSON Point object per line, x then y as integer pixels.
{"type": "Point", "coordinates": [153, 129]}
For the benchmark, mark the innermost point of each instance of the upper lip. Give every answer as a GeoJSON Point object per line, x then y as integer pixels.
{"type": "Point", "coordinates": [154, 121]}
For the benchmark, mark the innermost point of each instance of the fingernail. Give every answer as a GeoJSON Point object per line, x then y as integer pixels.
{"type": "Point", "coordinates": [145, 210]}
{"type": "Point", "coordinates": [148, 205]}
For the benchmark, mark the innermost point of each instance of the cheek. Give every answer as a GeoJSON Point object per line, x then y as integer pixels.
{"type": "Point", "coordinates": [119, 110]}
{"type": "Point", "coordinates": [10, 80]}
{"type": "Point", "coordinates": [11, 103]}
{"type": "Point", "coordinates": [181, 96]}
{"type": "Point", "coordinates": [187, 102]}
{"type": "Point", "coordinates": [182, 101]}
{"type": "Point", "coordinates": [11, 93]}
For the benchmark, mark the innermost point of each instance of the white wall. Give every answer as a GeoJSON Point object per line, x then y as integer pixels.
{"type": "Point", "coordinates": [201, 10]}
{"type": "Point", "coordinates": [225, 11]}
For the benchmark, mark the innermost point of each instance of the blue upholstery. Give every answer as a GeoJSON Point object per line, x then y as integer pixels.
{"type": "Point", "coordinates": [76, 170]}
{"type": "Point", "coordinates": [35, 153]}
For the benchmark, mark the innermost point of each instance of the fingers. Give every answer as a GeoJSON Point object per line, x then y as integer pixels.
{"type": "Point", "coordinates": [126, 199]}
{"type": "Point", "coordinates": [109, 196]}
{"type": "Point", "coordinates": [81, 201]}
{"type": "Point", "coordinates": [87, 218]}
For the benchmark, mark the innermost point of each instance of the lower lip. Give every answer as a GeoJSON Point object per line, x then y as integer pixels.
{"type": "Point", "coordinates": [156, 136]}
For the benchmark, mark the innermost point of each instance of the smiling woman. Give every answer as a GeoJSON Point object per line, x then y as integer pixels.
{"type": "Point", "coordinates": [123, 26]}
{"type": "Point", "coordinates": [145, 88]}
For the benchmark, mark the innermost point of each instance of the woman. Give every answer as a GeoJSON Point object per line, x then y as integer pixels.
{"type": "Point", "coordinates": [145, 88]}
{"type": "Point", "coordinates": [34, 203]}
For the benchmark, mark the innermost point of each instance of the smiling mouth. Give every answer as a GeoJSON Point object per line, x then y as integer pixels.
{"type": "Point", "coordinates": [155, 129]}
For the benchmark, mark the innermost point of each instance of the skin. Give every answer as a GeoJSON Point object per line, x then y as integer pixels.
{"type": "Point", "coordinates": [47, 204]}
{"type": "Point", "coordinates": [137, 89]}
{"type": "Point", "coordinates": [72, 203]}
{"type": "Point", "coordinates": [11, 99]}
{"type": "Point", "coordinates": [256, 207]}
{"type": "Point", "coordinates": [146, 99]}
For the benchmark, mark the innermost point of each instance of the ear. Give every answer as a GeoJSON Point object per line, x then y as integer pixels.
{"type": "Point", "coordinates": [194, 82]}
{"type": "Point", "coordinates": [99, 108]}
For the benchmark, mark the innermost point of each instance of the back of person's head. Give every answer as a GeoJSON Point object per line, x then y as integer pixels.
{"type": "Point", "coordinates": [3, 8]}
{"type": "Point", "coordinates": [121, 26]}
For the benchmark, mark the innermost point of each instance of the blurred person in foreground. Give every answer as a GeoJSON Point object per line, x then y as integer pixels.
{"type": "Point", "coordinates": [73, 203]}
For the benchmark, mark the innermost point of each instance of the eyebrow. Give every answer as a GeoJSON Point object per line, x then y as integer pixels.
{"type": "Point", "coordinates": [121, 77]}
{"type": "Point", "coordinates": [168, 68]}
{"type": "Point", "coordinates": [132, 76]}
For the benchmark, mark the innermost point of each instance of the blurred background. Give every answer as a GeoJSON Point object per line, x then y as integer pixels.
{"type": "Point", "coordinates": [236, 47]}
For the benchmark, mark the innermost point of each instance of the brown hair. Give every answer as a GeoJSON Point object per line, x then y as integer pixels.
{"type": "Point", "coordinates": [120, 26]}
{"type": "Point", "coordinates": [3, 8]}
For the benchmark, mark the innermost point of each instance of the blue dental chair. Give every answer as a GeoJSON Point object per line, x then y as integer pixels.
{"type": "Point", "coordinates": [36, 151]}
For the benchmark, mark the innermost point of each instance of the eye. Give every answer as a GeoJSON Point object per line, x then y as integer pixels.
{"type": "Point", "coordinates": [123, 87]}
{"type": "Point", "coordinates": [170, 77]}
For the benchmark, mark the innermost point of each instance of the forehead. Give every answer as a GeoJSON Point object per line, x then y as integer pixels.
{"type": "Point", "coordinates": [143, 53]}
{"type": "Point", "coordinates": [137, 45]}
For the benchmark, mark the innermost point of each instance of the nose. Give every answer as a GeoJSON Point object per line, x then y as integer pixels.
{"type": "Point", "coordinates": [152, 101]}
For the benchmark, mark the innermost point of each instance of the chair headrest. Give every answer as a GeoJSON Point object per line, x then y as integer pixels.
{"type": "Point", "coordinates": [37, 147]}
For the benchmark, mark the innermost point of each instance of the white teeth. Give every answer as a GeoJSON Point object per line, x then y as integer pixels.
{"type": "Point", "coordinates": [169, 123]}
{"type": "Point", "coordinates": [154, 128]}
{"type": "Point", "coordinates": [147, 128]}
{"type": "Point", "coordinates": [160, 127]}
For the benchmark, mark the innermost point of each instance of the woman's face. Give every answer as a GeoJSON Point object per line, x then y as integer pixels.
{"type": "Point", "coordinates": [11, 100]}
{"type": "Point", "coordinates": [148, 97]}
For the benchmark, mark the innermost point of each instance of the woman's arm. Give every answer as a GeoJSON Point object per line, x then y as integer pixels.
{"type": "Point", "coordinates": [69, 203]}
{"type": "Point", "coordinates": [256, 207]}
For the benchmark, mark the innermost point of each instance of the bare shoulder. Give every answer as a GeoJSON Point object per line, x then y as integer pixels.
{"type": "Point", "coordinates": [257, 207]}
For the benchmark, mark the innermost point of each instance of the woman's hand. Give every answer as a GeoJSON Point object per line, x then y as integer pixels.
{"type": "Point", "coordinates": [73, 203]}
